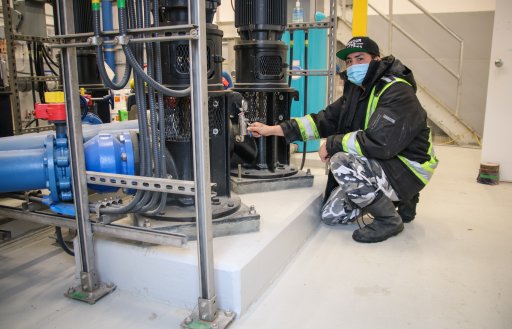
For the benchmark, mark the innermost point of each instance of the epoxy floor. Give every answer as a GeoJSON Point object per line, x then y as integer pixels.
{"type": "Point", "coordinates": [450, 268]}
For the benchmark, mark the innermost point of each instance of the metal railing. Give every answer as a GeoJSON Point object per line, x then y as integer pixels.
{"type": "Point", "coordinates": [389, 18]}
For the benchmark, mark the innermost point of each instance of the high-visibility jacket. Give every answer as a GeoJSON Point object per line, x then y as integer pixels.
{"type": "Point", "coordinates": [383, 121]}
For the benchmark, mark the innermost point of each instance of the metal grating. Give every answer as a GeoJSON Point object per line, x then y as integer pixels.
{"type": "Point", "coordinates": [256, 106]}
{"type": "Point", "coordinates": [178, 126]}
{"type": "Point", "coordinates": [270, 65]}
{"type": "Point", "coordinates": [183, 59]}
{"type": "Point", "coordinates": [178, 118]}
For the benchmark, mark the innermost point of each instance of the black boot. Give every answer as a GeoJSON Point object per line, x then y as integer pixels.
{"type": "Point", "coordinates": [386, 222]}
{"type": "Point", "coordinates": [407, 208]}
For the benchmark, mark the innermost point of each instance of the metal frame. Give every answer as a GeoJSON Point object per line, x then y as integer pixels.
{"type": "Point", "coordinates": [10, 37]}
{"type": "Point", "coordinates": [331, 69]}
{"type": "Point", "coordinates": [91, 289]}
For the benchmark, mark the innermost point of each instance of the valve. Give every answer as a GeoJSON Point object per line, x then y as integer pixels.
{"type": "Point", "coordinates": [242, 122]}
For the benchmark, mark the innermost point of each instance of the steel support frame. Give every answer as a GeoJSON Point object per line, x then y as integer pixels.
{"type": "Point", "coordinates": [207, 311]}
{"type": "Point", "coordinates": [13, 75]}
{"type": "Point", "coordinates": [91, 289]}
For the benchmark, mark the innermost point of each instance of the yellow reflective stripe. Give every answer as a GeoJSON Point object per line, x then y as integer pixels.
{"type": "Point", "coordinates": [350, 143]}
{"type": "Point", "coordinates": [424, 170]}
{"type": "Point", "coordinates": [307, 128]}
{"type": "Point", "coordinates": [374, 99]}
{"type": "Point", "coordinates": [344, 142]}
{"type": "Point", "coordinates": [316, 135]}
{"type": "Point", "coordinates": [370, 108]}
{"type": "Point", "coordinates": [302, 129]}
{"type": "Point", "coordinates": [409, 164]}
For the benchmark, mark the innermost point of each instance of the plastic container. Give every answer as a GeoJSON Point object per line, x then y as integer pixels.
{"type": "Point", "coordinates": [298, 13]}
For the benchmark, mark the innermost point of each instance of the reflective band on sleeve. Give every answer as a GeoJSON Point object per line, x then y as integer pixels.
{"type": "Point", "coordinates": [423, 171]}
{"type": "Point", "coordinates": [307, 128]}
{"type": "Point", "coordinates": [350, 143]}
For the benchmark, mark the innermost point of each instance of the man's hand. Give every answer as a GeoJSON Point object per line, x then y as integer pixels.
{"type": "Point", "coordinates": [322, 153]}
{"type": "Point", "coordinates": [259, 129]}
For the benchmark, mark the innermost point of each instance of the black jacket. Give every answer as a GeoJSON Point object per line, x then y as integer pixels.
{"type": "Point", "coordinates": [397, 127]}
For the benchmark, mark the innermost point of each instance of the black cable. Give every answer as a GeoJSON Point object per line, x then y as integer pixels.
{"type": "Point", "coordinates": [62, 243]}
{"type": "Point", "coordinates": [47, 54]}
{"type": "Point", "coordinates": [48, 64]}
{"type": "Point", "coordinates": [30, 63]}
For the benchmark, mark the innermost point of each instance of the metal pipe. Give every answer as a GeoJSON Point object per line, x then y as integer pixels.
{"type": "Point", "coordinates": [106, 15]}
{"type": "Point", "coordinates": [438, 22]}
{"type": "Point", "coordinates": [459, 81]}
{"type": "Point", "coordinates": [163, 29]}
{"type": "Point", "coordinates": [112, 230]}
{"type": "Point", "coordinates": [168, 38]}
{"type": "Point", "coordinates": [390, 28]}
{"type": "Point", "coordinates": [360, 18]}
{"type": "Point", "coordinates": [333, 16]}
{"type": "Point", "coordinates": [199, 99]}
{"type": "Point", "coordinates": [22, 170]}
{"type": "Point", "coordinates": [89, 277]}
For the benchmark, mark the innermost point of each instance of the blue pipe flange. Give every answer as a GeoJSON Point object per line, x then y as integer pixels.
{"type": "Point", "coordinates": [108, 154]}
{"type": "Point", "coordinates": [56, 160]}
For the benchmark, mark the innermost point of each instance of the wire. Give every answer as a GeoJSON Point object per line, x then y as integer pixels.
{"type": "Point", "coordinates": [62, 243]}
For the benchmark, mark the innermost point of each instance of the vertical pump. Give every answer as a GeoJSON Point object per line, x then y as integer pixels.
{"type": "Point", "coordinates": [262, 80]}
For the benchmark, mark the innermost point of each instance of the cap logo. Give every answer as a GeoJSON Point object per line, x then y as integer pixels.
{"type": "Point", "coordinates": [355, 43]}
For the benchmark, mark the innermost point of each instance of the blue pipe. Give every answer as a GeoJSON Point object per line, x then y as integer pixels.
{"type": "Point", "coordinates": [106, 15]}
{"type": "Point", "coordinates": [22, 170]}
{"type": "Point", "coordinates": [48, 167]}
{"type": "Point", "coordinates": [36, 140]}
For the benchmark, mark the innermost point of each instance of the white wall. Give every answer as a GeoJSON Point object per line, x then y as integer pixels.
{"type": "Point", "coordinates": [433, 6]}
{"type": "Point", "coordinates": [498, 118]}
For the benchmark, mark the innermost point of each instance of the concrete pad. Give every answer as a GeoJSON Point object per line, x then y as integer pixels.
{"type": "Point", "coordinates": [245, 265]}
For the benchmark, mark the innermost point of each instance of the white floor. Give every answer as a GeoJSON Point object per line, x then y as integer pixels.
{"type": "Point", "coordinates": [450, 268]}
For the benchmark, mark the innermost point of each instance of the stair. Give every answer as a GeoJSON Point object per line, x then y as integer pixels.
{"type": "Point", "coordinates": [440, 114]}
{"type": "Point", "coordinates": [444, 118]}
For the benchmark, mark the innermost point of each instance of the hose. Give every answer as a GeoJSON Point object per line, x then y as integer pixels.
{"type": "Point", "coordinates": [164, 153]}
{"type": "Point", "coordinates": [83, 102]}
{"type": "Point", "coordinates": [62, 243]}
{"type": "Point", "coordinates": [155, 150]}
{"type": "Point", "coordinates": [100, 58]}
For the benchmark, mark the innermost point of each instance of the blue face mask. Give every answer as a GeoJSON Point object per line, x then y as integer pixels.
{"type": "Point", "coordinates": [357, 72]}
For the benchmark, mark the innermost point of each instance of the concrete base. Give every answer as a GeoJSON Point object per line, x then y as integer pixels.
{"type": "Point", "coordinates": [245, 265]}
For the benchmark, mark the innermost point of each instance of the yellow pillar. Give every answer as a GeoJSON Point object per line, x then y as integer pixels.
{"type": "Point", "coordinates": [359, 18]}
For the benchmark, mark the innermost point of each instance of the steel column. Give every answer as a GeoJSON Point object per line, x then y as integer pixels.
{"type": "Point", "coordinates": [13, 71]}
{"type": "Point", "coordinates": [333, 17]}
{"type": "Point", "coordinates": [88, 275]}
{"type": "Point", "coordinates": [199, 100]}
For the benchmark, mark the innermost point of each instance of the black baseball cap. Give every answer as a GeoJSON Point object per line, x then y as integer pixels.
{"type": "Point", "coordinates": [359, 44]}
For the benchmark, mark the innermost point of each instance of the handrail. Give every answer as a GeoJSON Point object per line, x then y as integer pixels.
{"type": "Point", "coordinates": [441, 24]}
{"type": "Point", "coordinates": [461, 49]}
{"type": "Point", "coordinates": [458, 75]}
{"type": "Point", "coordinates": [399, 28]}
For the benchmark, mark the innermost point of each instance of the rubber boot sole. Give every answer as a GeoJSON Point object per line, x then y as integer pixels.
{"type": "Point", "coordinates": [365, 239]}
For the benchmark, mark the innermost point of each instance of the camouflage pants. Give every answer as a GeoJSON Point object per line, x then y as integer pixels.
{"type": "Point", "coordinates": [359, 179]}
